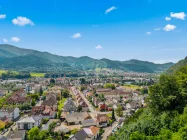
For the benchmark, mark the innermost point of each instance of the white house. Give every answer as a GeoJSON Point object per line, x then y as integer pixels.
{"type": "Point", "coordinates": [28, 123]}
{"type": "Point", "coordinates": [11, 113]}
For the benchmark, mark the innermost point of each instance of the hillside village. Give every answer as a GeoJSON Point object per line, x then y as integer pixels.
{"type": "Point", "coordinates": [68, 108]}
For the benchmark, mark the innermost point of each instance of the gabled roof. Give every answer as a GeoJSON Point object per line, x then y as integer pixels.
{"type": "Point", "coordinates": [81, 135]}
{"type": "Point", "coordinates": [94, 130]}
{"type": "Point", "coordinates": [29, 120]}
{"type": "Point", "coordinates": [102, 118]}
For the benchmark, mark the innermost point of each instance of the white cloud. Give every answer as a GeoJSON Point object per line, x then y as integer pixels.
{"type": "Point", "coordinates": [168, 18]}
{"type": "Point", "coordinates": [148, 33]}
{"type": "Point", "coordinates": [2, 16]}
{"type": "Point", "coordinates": [180, 15]}
{"type": "Point", "coordinates": [157, 29]}
{"type": "Point", "coordinates": [169, 27]}
{"type": "Point", "coordinates": [22, 21]}
{"type": "Point", "coordinates": [98, 47]}
{"type": "Point", "coordinates": [15, 39]}
{"type": "Point", "coordinates": [5, 40]}
{"type": "Point", "coordinates": [110, 9]}
{"type": "Point", "coordinates": [77, 35]}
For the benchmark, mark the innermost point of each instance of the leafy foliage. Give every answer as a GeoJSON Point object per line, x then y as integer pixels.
{"type": "Point", "coordinates": [119, 111]}
{"type": "Point", "coordinates": [109, 85]}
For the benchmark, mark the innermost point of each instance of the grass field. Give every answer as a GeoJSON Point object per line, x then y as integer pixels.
{"type": "Point", "coordinates": [131, 87]}
{"type": "Point", "coordinates": [2, 71]}
{"type": "Point", "coordinates": [35, 74]}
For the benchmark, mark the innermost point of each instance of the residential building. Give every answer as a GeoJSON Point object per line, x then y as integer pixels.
{"type": "Point", "coordinates": [19, 97]}
{"type": "Point", "coordinates": [51, 101]}
{"type": "Point", "coordinates": [9, 112]}
{"type": "Point", "coordinates": [76, 117]}
{"type": "Point", "coordinates": [102, 120]}
{"type": "Point", "coordinates": [28, 123]}
{"type": "Point", "coordinates": [44, 111]}
{"type": "Point", "coordinates": [69, 106]}
{"type": "Point", "coordinates": [90, 133]}
{"type": "Point", "coordinates": [89, 122]}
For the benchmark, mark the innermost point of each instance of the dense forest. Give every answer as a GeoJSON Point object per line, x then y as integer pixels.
{"type": "Point", "coordinates": [165, 117]}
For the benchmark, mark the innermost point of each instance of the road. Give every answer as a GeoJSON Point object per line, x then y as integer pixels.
{"type": "Point", "coordinates": [108, 130]}
{"type": "Point", "coordinates": [91, 108]}
{"type": "Point", "coordinates": [13, 127]}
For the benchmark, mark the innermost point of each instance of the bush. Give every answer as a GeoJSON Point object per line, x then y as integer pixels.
{"type": "Point", "coordinates": [101, 131]}
{"type": "Point", "coordinates": [45, 120]}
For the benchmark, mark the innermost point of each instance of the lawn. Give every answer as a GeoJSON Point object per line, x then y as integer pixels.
{"type": "Point", "coordinates": [61, 103]}
{"type": "Point", "coordinates": [35, 74]}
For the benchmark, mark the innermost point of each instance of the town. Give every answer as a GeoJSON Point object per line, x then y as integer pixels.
{"type": "Point", "coordinates": [72, 108]}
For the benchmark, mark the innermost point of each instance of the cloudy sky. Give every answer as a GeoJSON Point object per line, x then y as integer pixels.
{"type": "Point", "coordinates": [151, 30]}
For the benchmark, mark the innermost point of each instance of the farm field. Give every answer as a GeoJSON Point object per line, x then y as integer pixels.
{"type": "Point", "coordinates": [35, 74]}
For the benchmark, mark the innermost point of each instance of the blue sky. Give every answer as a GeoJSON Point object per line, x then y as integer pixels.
{"type": "Point", "coordinates": [151, 30]}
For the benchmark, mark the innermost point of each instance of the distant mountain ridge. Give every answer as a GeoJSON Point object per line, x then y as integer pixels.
{"type": "Point", "coordinates": [12, 57]}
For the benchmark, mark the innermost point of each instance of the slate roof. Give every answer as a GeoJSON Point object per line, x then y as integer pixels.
{"type": "Point", "coordinates": [81, 135]}
{"type": "Point", "coordinates": [89, 122]}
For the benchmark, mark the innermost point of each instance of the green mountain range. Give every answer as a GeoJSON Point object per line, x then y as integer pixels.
{"type": "Point", "coordinates": [15, 58]}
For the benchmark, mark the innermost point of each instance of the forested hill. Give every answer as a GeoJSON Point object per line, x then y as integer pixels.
{"type": "Point", "coordinates": [165, 117]}
{"type": "Point", "coordinates": [12, 57]}
{"type": "Point", "coordinates": [176, 66]}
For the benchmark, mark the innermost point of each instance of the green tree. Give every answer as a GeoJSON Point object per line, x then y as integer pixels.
{"type": "Point", "coordinates": [59, 114]}
{"type": "Point", "coordinates": [166, 96]}
{"type": "Point", "coordinates": [82, 80]}
{"type": "Point", "coordinates": [119, 111]}
{"type": "Point", "coordinates": [33, 103]}
{"type": "Point", "coordinates": [113, 115]}
{"type": "Point", "coordinates": [41, 91]}
{"type": "Point", "coordinates": [51, 127]}
{"type": "Point", "coordinates": [52, 81]}
{"type": "Point", "coordinates": [43, 134]}
{"type": "Point", "coordinates": [137, 136]}
{"type": "Point", "coordinates": [144, 90]}
{"type": "Point", "coordinates": [33, 134]}
{"type": "Point", "coordinates": [109, 85]}
{"type": "Point", "coordinates": [65, 93]}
